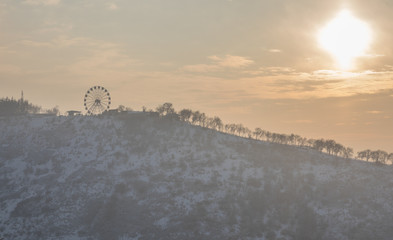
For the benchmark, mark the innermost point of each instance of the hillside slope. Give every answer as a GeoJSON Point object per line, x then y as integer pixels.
{"type": "Point", "coordinates": [139, 177]}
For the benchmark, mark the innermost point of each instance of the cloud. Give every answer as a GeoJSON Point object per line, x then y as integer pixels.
{"type": "Point", "coordinates": [220, 64]}
{"type": "Point", "coordinates": [95, 58]}
{"type": "Point", "coordinates": [42, 2]}
{"type": "Point", "coordinates": [272, 71]}
{"type": "Point", "coordinates": [286, 82]}
{"type": "Point", "coordinates": [374, 112]}
{"type": "Point", "coordinates": [273, 50]}
{"type": "Point", "coordinates": [373, 55]}
{"type": "Point", "coordinates": [74, 58]}
{"type": "Point", "coordinates": [275, 83]}
{"type": "Point", "coordinates": [30, 43]}
{"type": "Point", "coordinates": [201, 68]}
{"type": "Point", "coordinates": [112, 6]}
{"type": "Point", "coordinates": [104, 62]}
{"type": "Point", "coordinates": [231, 61]}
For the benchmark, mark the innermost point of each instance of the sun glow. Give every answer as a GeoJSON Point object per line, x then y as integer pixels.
{"type": "Point", "coordinates": [345, 37]}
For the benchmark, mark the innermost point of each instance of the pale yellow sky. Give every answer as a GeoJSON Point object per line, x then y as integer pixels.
{"type": "Point", "coordinates": [254, 62]}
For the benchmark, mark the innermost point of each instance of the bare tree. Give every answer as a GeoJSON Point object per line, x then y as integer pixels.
{"type": "Point", "coordinates": [247, 132]}
{"type": "Point", "coordinates": [347, 152]}
{"type": "Point", "coordinates": [302, 141]}
{"type": "Point", "coordinates": [319, 144]}
{"type": "Point", "coordinates": [338, 148]}
{"type": "Point", "coordinates": [298, 140]}
{"type": "Point", "coordinates": [232, 128]}
{"type": "Point", "coordinates": [122, 108]}
{"type": "Point", "coordinates": [209, 122]}
{"type": "Point", "coordinates": [196, 117]}
{"type": "Point", "coordinates": [379, 156]}
{"type": "Point", "coordinates": [365, 154]}
{"type": "Point", "coordinates": [227, 128]}
{"type": "Point", "coordinates": [291, 139]}
{"type": "Point", "coordinates": [329, 145]}
{"type": "Point", "coordinates": [258, 132]}
{"type": "Point", "coordinates": [268, 136]}
{"type": "Point", "coordinates": [54, 111]}
{"type": "Point", "coordinates": [239, 129]}
{"type": "Point", "coordinates": [203, 119]}
{"type": "Point", "coordinates": [310, 142]}
{"type": "Point", "coordinates": [217, 123]}
{"type": "Point", "coordinates": [185, 115]}
{"type": "Point", "coordinates": [166, 109]}
{"type": "Point", "coordinates": [390, 157]}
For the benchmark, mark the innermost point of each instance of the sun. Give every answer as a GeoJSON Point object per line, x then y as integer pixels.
{"type": "Point", "coordinates": [345, 37]}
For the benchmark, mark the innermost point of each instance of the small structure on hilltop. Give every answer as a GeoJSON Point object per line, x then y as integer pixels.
{"type": "Point", "coordinates": [73, 113]}
{"type": "Point", "coordinates": [97, 100]}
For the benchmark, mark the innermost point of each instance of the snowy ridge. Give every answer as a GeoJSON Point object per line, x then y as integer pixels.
{"type": "Point", "coordinates": [141, 177]}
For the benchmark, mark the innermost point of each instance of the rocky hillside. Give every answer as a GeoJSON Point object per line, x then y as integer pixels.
{"type": "Point", "coordinates": [135, 176]}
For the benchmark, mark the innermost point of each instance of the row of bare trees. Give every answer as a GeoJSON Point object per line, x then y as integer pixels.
{"type": "Point", "coordinates": [201, 119]}
{"type": "Point", "coordinates": [187, 115]}
{"type": "Point", "coordinates": [378, 156]}
{"type": "Point", "coordinates": [328, 146]}
{"type": "Point", "coordinates": [333, 148]}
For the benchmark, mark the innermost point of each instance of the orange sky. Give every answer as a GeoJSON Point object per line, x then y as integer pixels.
{"type": "Point", "coordinates": [253, 62]}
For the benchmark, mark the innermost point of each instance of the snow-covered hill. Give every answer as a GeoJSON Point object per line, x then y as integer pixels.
{"type": "Point", "coordinates": [133, 176]}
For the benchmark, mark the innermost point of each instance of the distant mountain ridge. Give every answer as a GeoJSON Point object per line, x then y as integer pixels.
{"type": "Point", "coordinates": [134, 176]}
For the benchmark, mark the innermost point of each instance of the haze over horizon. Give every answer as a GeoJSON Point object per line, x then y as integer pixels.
{"type": "Point", "coordinates": [258, 63]}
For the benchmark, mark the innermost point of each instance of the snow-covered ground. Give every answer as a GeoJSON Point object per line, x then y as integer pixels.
{"type": "Point", "coordinates": [140, 177]}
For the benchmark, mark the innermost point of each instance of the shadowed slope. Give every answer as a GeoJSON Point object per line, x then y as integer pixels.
{"type": "Point", "coordinates": [134, 176]}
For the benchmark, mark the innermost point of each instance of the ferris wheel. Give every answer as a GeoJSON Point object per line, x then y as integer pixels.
{"type": "Point", "coordinates": [97, 100]}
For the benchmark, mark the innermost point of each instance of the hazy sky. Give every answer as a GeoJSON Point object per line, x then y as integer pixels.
{"type": "Point", "coordinates": [256, 62]}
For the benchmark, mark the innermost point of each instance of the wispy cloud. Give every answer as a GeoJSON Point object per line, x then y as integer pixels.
{"type": "Point", "coordinates": [274, 50]}
{"type": "Point", "coordinates": [286, 82]}
{"type": "Point", "coordinates": [218, 63]}
{"type": "Point", "coordinates": [231, 61]}
{"type": "Point", "coordinates": [84, 58]}
{"type": "Point", "coordinates": [98, 59]}
{"type": "Point", "coordinates": [31, 43]}
{"type": "Point", "coordinates": [272, 71]}
{"type": "Point", "coordinates": [373, 55]}
{"type": "Point", "coordinates": [374, 112]}
{"type": "Point", "coordinates": [274, 83]}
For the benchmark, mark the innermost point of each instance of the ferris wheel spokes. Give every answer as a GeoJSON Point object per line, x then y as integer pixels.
{"type": "Point", "coordinates": [97, 100]}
